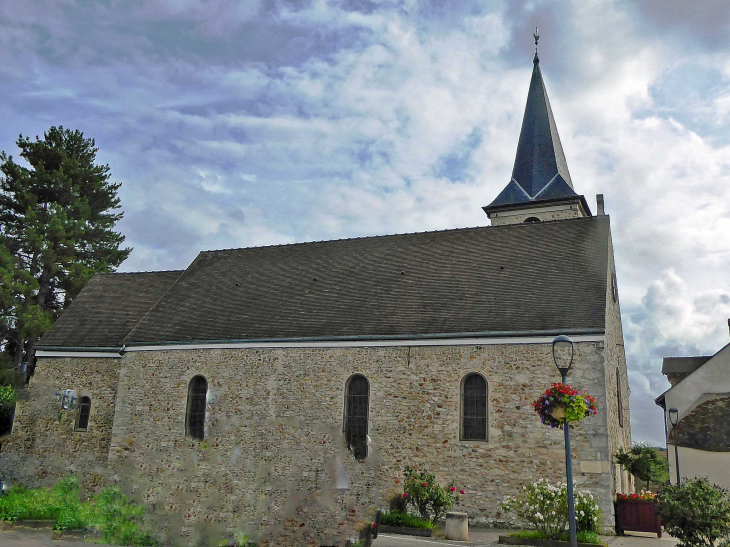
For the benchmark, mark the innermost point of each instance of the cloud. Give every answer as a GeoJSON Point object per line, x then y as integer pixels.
{"type": "Point", "coordinates": [245, 123]}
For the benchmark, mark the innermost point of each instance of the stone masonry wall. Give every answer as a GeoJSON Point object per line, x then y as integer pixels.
{"type": "Point", "coordinates": [619, 431]}
{"type": "Point", "coordinates": [43, 444]}
{"type": "Point", "coordinates": [274, 432]}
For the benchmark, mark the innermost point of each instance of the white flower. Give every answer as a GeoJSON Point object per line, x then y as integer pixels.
{"type": "Point", "coordinates": [595, 518]}
{"type": "Point", "coordinates": [581, 513]}
{"type": "Point", "coordinates": [538, 516]}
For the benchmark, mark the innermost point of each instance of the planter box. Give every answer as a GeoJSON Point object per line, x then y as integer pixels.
{"type": "Point", "coordinates": [512, 540]}
{"type": "Point", "coordinates": [421, 532]}
{"type": "Point", "coordinates": [637, 516]}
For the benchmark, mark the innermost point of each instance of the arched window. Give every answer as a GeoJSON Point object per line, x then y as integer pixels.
{"type": "Point", "coordinates": [619, 400]}
{"type": "Point", "coordinates": [356, 415]}
{"type": "Point", "coordinates": [474, 408]}
{"type": "Point", "coordinates": [82, 418]}
{"type": "Point", "coordinates": [195, 416]}
{"type": "Point", "coordinates": [531, 220]}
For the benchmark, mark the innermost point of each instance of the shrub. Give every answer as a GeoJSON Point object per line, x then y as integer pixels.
{"type": "Point", "coordinates": [111, 512]}
{"type": "Point", "coordinates": [644, 462]}
{"type": "Point", "coordinates": [429, 499]}
{"type": "Point", "coordinates": [587, 512]}
{"type": "Point", "coordinates": [396, 518]}
{"type": "Point", "coordinates": [583, 536]}
{"type": "Point", "coordinates": [544, 507]}
{"type": "Point", "coordinates": [696, 512]}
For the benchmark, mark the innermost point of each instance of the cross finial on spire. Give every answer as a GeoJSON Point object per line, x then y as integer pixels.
{"type": "Point", "coordinates": [536, 36]}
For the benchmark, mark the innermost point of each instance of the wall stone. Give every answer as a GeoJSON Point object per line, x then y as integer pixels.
{"type": "Point", "coordinates": [274, 429]}
{"type": "Point", "coordinates": [268, 464]}
{"type": "Point", "coordinates": [619, 431]}
{"type": "Point", "coordinates": [705, 427]}
{"type": "Point", "coordinates": [43, 444]}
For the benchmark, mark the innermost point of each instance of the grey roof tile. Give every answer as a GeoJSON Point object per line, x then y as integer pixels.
{"type": "Point", "coordinates": [547, 276]}
{"type": "Point", "coordinates": [108, 307]}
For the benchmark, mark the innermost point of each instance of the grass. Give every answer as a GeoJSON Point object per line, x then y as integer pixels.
{"type": "Point", "coordinates": [583, 536]}
{"type": "Point", "coordinates": [114, 515]}
{"type": "Point", "coordinates": [397, 518]}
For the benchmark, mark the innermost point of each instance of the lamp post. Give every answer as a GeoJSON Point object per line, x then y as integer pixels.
{"type": "Point", "coordinates": [563, 357]}
{"type": "Point", "coordinates": [674, 419]}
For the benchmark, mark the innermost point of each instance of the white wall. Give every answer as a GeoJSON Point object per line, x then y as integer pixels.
{"type": "Point", "coordinates": [700, 463]}
{"type": "Point", "coordinates": [712, 377]}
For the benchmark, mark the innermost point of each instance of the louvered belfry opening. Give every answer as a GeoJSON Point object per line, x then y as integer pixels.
{"type": "Point", "coordinates": [82, 421]}
{"type": "Point", "coordinates": [195, 416]}
{"type": "Point", "coordinates": [356, 416]}
{"type": "Point", "coordinates": [474, 409]}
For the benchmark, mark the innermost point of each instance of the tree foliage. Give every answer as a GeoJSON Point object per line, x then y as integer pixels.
{"type": "Point", "coordinates": [644, 462]}
{"type": "Point", "coordinates": [696, 512]}
{"type": "Point", "coordinates": [57, 218]}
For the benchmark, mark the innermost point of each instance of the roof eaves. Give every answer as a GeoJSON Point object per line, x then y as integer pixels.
{"type": "Point", "coordinates": [429, 336]}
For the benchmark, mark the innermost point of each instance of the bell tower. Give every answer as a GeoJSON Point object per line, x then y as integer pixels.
{"type": "Point", "coordinates": [541, 188]}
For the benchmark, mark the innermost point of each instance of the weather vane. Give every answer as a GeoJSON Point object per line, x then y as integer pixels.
{"type": "Point", "coordinates": [537, 38]}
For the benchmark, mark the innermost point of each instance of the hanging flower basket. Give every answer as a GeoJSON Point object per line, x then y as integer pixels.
{"type": "Point", "coordinates": [561, 403]}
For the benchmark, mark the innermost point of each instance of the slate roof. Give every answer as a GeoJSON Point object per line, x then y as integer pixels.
{"type": "Point", "coordinates": [108, 307]}
{"type": "Point", "coordinates": [540, 171]}
{"type": "Point", "coordinates": [679, 365]}
{"type": "Point", "coordinates": [548, 276]}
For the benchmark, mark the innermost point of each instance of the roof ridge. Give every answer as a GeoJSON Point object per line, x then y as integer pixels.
{"type": "Point", "coordinates": [467, 228]}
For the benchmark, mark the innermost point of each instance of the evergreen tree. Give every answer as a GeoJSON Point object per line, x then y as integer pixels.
{"type": "Point", "coordinates": [57, 220]}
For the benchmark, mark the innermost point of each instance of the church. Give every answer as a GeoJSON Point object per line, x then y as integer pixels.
{"type": "Point", "coordinates": [285, 387]}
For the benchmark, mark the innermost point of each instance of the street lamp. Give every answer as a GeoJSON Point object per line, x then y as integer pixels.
{"type": "Point", "coordinates": [674, 419]}
{"type": "Point", "coordinates": [563, 357]}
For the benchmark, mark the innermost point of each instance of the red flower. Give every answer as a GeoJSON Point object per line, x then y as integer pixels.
{"type": "Point", "coordinates": [461, 492]}
{"type": "Point", "coordinates": [405, 495]}
{"type": "Point", "coordinates": [375, 524]}
{"type": "Point", "coordinates": [424, 484]}
{"type": "Point", "coordinates": [453, 488]}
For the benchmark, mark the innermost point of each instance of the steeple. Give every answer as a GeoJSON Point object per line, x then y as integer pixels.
{"type": "Point", "coordinates": [540, 176]}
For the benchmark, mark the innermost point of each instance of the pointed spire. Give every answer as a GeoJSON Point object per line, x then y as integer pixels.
{"type": "Point", "coordinates": [540, 171]}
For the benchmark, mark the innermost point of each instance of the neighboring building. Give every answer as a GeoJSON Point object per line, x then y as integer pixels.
{"type": "Point", "coordinates": [700, 393]}
{"type": "Point", "coordinates": [243, 378]}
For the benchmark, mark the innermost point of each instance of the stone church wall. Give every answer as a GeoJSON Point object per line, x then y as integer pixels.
{"type": "Point", "coordinates": [619, 420]}
{"type": "Point", "coordinates": [268, 464]}
{"type": "Point", "coordinates": [43, 444]}
{"type": "Point", "coordinates": [274, 424]}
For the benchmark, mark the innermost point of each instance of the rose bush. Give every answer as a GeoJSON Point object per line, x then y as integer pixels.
{"type": "Point", "coordinates": [427, 497]}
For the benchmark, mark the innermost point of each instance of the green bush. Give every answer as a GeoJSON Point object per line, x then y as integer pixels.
{"type": "Point", "coordinates": [396, 518]}
{"type": "Point", "coordinates": [583, 536]}
{"type": "Point", "coordinates": [645, 463]}
{"type": "Point", "coordinates": [544, 507]}
{"type": "Point", "coordinates": [696, 512]}
{"type": "Point", "coordinates": [114, 515]}
{"type": "Point", "coordinates": [429, 499]}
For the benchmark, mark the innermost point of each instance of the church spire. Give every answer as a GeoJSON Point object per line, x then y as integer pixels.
{"type": "Point", "coordinates": [540, 171]}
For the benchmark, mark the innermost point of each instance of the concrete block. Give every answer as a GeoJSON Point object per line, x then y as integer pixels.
{"type": "Point", "coordinates": [457, 526]}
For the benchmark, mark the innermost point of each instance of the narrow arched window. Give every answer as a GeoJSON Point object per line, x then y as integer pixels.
{"type": "Point", "coordinates": [619, 400]}
{"type": "Point", "coordinates": [82, 417]}
{"type": "Point", "coordinates": [356, 416]}
{"type": "Point", "coordinates": [195, 416]}
{"type": "Point", "coordinates": [474, 408]}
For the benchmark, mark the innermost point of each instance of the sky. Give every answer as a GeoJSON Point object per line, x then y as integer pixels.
{"type": "Point", "coordinates": [238, 123]}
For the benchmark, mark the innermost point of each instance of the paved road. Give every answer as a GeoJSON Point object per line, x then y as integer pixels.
{"type": "Point", "coordinates": [25, 538]}
{"type": "Point", "coordinates": [477, 537]}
